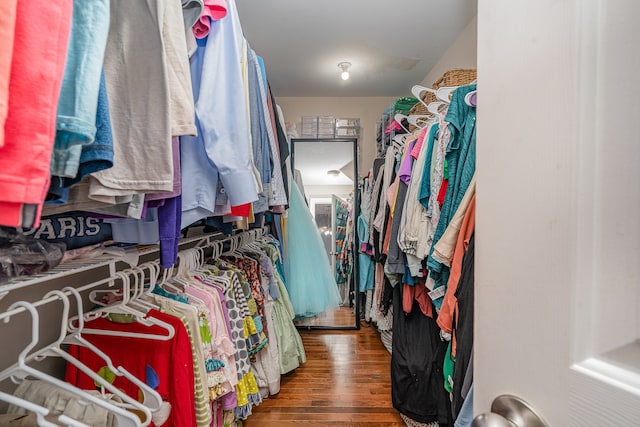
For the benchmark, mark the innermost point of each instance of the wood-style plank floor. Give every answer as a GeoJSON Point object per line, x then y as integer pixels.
{"type": "Point", "coordinates": [341, 316]}
{"type": "Point", "coordinates": [345, 382]}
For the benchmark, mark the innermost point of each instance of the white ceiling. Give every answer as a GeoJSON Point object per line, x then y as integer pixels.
{"type": "Point", "coordinates": [389, 43]}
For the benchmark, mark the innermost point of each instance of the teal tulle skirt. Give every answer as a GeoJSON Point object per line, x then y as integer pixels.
{"type": "Point", "coordinates": [310, 281]}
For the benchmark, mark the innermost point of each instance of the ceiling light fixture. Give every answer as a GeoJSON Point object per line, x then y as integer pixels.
{"type": "Point", "coordinates": [333, 173]}
{"type": "Point", "coordinates": [344, 66]}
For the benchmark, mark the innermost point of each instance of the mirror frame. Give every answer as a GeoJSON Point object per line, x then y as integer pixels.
{"type": "Point", "coordinates": [354, 292]}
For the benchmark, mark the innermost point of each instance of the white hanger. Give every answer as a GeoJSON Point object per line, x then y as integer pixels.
{"type": "Point", "coordinates": [444, 93]}
{"type": "Point", "coordinates": [138, 292]}
{"type": "Point", "coordinates": [39, 411]}
{"type": "Point", "coordinates": [94, 296]}
{"type": "Point", "coordinates": [239, 244]}
{"type": "Point", "coordinates": [207, 276]}
{"type": "Point", "coordinates": [468, 96]}
{"type": "Point", "coordinates": [54, 349]}
{"type": "Point", "coordinates": [121, 307]}
{"type": "Point", "coordinates": [234, 243]}
{"type": "Point", "coordinates": [417, 90]}
{"type": "Point", "coordinates": [201, 271]}
{"type": "Point", "coordinates": [419, 120]}
{"type": "Point", "coordinates": [182, 276]}
{"type": "Point", "coordinates": [398, 142]}
{"type": "Point", "coordinates": [21, 370]}
{"type": "Point", "coordinates": [154, 273]}
{"type": "Point", "coordinates": [434, 107]}
{"type": "Point", "coordinates": [151, 398]}
{"type": "Point", "coordinates": [398, 119]}
{"type": "Point", "coordinates": [253, 241]}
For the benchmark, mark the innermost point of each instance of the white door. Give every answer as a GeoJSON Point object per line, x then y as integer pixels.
{"type": "Point", "coordinates": [557, 285]}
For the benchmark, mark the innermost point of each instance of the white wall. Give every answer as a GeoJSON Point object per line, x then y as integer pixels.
{"type": "Point", "coordinates": [342, 191]}
{"type": "Point", "coordinates": [367, 109]}
{"type": "Point", "coordinates": [463, 53]}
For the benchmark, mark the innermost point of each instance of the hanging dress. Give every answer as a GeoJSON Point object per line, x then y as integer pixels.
{"type": "Point", "coordinates": [309, 279]}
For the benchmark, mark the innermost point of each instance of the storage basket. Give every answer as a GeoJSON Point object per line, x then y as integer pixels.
{"type": "Point", "coordinates": [453, 77]}
{"type": "Point", "coordinates": [456, 77]}
{"type": "Point", "coordinates": [412, 423]}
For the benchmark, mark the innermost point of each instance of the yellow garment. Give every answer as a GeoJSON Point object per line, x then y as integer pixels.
{"type": "Point", "coordinates": [246, 386]}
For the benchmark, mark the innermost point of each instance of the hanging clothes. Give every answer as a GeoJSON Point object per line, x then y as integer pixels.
{"type": "Point", "coordinates": [76, 116]}
{"type": "Point", "coordinates": [416, 365]}
{"type": "Point", "coordinates": [31, 111]}
{"type": "Point", "coordinates": [461, 158]}
{"type": "Point", "coordinates": [463, 326]}
{"type": "Point", "coordinates": [165, 365]}
{"type": "Point", "coordinates": [425, 194]}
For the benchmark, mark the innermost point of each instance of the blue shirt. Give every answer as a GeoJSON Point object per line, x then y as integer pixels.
{"type": "Point", "coordinates": [222, 146]}
{"type": "Point", "coordinates": [365, 263]}
{"type": "Point", "coordinates": [76, 116]}
{"type": "Point", "coordinates": [425, 181]}
{"type": "Point", "coordinates": [259, 134]}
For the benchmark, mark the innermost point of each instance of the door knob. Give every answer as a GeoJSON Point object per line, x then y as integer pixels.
{"type": "Point", "coordinates": [509, 411]}
{"type": "Point", "coordinates": [491, 420]}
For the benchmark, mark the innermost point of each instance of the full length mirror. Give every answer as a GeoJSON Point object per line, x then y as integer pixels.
{"type": "Point", "coordinates": [325, 171]}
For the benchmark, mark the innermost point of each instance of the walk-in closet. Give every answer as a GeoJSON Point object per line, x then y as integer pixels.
{"type": "Point", "coordinates": [226, 213]}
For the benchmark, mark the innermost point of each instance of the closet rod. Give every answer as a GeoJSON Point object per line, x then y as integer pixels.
{"type": "Point", "coordinates": [203, 242]}
{"type": "Point", "coordinates": [109, 262]}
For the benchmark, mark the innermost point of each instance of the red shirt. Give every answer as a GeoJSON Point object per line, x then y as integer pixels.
{"type": "Point", "coordinates": [171, 361]}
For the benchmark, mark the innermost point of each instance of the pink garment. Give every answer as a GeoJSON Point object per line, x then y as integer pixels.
{"type": "Point", "coordinates": [415, 152]}
{"type": "Point", "coordinates": [213, 10]}
{"type": "Point", "coordinates": [393, 126]}
{"type": "Point", "coordinates": [7, 30]}
{"type": "Point", "coordinates": [37, 67]}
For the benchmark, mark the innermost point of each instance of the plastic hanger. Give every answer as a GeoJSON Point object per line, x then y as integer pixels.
{"type": "Point", "coordinates": [470, 98]}
{"type": "Point", "coordinates": [444, 93]}
{"type": "Point", "coordinates": [417, 90]}
{"type": "Point", "coordinates": [434, 107]}
{"type": "Point", "coordinates": [219, 249]}
{"type": "Point", "coordinates": [419, 120]}
{"type": "Point", "coordinates": [39, 411]}
{"type": "Point", "coordinates": [398, 118]}
{"type": "Point", "coordinates": [121, 307]}
{"type": "Point", "coordinates": [211, 278]}
{"type": "Point", "coordinates": [398, 142]}
{"type": "Point", "coordinates": [206, 274]}
{"type": "Point", "coordinates": [138, 290]}
{"type": "Point", "coordinates": [199, 261]}
{"type": "Point", "coordinates": [21, 370]}
{"type": "Point", "coordinates": [185, 264]}
{"type": "Point", "coordinates": [118, 294]}
{"type": "Point", "coordinates": [233, 246]}
{"type": "Point", "coordinates": [253, 245]}
{"type": "Point", "coordinates": [54, 349]}
{"type": "Point", "coordinates": [170, 287]}
{"type": "Point", "coordinates": [151, 398]}
{"type": "Point", "coordinates": [142, 293]}
{"type": "Point", "coordinates": [238, 240]}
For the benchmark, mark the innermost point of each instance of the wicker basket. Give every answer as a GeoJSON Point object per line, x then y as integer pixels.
{"type": "Point", "coordinates": [454, 77]}
{"type": "Point", "coordinates": [412, 423]}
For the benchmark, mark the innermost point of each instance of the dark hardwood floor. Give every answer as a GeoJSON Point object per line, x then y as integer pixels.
{"type": "Point", "coordinates": [345, 382]}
